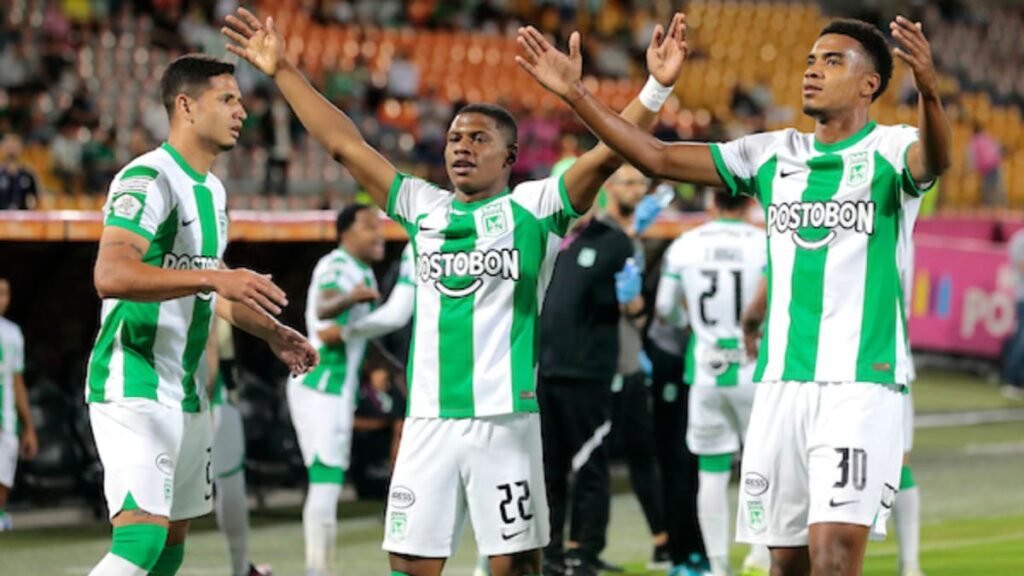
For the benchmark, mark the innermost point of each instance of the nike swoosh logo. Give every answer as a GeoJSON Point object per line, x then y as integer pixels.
{"type": "Point", "coordinates": [835, 504]}
{"type": "Point", "coordinates": [187, 222]}
{"type": "Point", "coordinates": [784, 174]}
{"type": "Point", "coordinates": [505, 536]}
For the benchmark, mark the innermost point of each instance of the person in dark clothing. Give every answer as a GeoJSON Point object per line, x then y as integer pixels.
{"type": "Point", "coordinates": [578, 359]}
{"type": "Point", "coordinates": [18, 188]}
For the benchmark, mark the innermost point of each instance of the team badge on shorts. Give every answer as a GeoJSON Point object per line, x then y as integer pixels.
{"type": "Point", "coordinates": [398, 525]}
{"type": "Point", "coordinates": [755, 516]}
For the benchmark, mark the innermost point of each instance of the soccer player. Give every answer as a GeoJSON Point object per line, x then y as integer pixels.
{"type": "Point", "coordinates": [17, 437]}
{"type": "Point", "coordinates": [231, 504]}
{"type": "Point", "coordinates": [713, 271]}
{"type": "Point", "coordinates": [471, 442]}
{"type": "Point", "coordinates": [323, 402]}
{"type": "Point", "coordinates": [160, 274]}
{"type": "Point", "coordinates": [822, 457]}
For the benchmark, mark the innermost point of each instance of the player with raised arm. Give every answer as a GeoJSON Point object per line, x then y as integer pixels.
{"type": "Point", "coordinates": [160, 274]}
{"type": "Point", "coordinates": [483, 256]}
{"type": "Point", "coordinates": [17, 432]}
{"type": "Point", "coordinates": [323, 403]}
{"type": "Point", "coordinates": [712, 272]}
{"type": "Point", "coordinates": [822, 459]}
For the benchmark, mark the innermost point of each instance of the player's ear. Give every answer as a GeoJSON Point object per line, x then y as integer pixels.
{"type": "Point", "coordinates": [182, 105]}
{"type": "Point", "coordinates": [871, 84]}
{"type": "Point", "coordinates": [513, 153]}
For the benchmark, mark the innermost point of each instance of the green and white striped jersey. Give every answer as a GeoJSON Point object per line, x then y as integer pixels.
{"type": "Point", "coordinates": [153, 349]}
{"type": "Point", "coordinates": [836, 215]}
{"type": "Point", "coordinates": [482, 269]}
{"type": "Point", "coordinates": [338, 371]}
{"type": "Point", "coordinates": [716, 268]}
{"type": "Point", "coordinates": [12, 363]}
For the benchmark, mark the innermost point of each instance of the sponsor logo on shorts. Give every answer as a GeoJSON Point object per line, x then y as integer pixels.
{"type": "Point", "coordinates": [165, 464]}
{"type": "Point", "coordinates": [402, 497]}
{"type": "Point", "coordinates": [398, 525]}
{"type": "Point", "coordinates": [754, 484]}
{"type": "Point", "coordinates": [755, 516]}
{"type": "Point", "coordinates": [888, 496]}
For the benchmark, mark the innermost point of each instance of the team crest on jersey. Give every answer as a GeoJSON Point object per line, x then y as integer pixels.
{"type": "Point", "coordinates": [858, 172]}
{"type": "Point", "coordinates": [460, 274]}
{"type": "Point", "coordinates": [493, 220]}
{"type": "Point", "coordinates": [126, 206]}
{"type": "Point", "coordinates": [814, 224]}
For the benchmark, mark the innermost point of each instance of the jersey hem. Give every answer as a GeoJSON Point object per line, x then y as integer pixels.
{"type": "Point", "coordinates": [178, 406]}
{"type": "Point", "coordinates": [470, 414]}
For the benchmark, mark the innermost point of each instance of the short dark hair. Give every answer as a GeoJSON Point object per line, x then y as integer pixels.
{"type": "Point", "coordinates": [726, 200]}
{"type": "Point", "coordinates": [190, 74]}
{"type": "Point", "coordinates": [873, 42]}
{"type": "Point", "coordinates": [347, 217]}
{"type": "Point", "coordinates": [506, 122]}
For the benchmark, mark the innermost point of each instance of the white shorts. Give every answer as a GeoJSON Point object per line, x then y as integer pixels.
{"type": "Point", "coordinates": [228, 441]}
{"type": "Point", "coordinates": [9, 446]}
{"type": "Point", "coordinates": [323, 424]}
{"type": "Point", "coordinates": [492, 468]}
{"type": "Point", "coordinates": [819, 453]}
{"type": "Point", "coordinates": [908, 423]}
{"type": "Point", "coordinates": [718, 418]}
{"type": "Point", "coordinates": [159, 455]}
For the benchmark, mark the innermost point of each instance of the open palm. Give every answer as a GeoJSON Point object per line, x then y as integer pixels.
{"type": "Point", "coordinates": [666, 53]}
{"type": "Point", "coordinates": [555, 70]}
{"type": "Point", "coordinates": [258, 43]}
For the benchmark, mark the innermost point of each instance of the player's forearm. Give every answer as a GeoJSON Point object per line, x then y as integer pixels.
{"type": "Point", "coordinates": [394, 314]}
{"type": "Point", "coordinates": [262, 326]}
{"type": "Point", "coordinates": [666, 302]}
{"type": "Point", "coordinates": [139, 282]}
{"type": "Point", "coordinates": [636, 114]}
{"type": "Point", "coordinates": [329, 306]}
{"type": "Point", "coordinates": [22, 405]}
{"type": "Point", "coordinates": [936, 136]}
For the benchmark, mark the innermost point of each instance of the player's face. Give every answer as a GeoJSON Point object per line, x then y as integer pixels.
{"type": "Point", "coordinates": [839, 76]}
{"type": "Point", "coordinates": [366, 237]}
{"type": "Point", "coordinates": [627, 187]}
{"type": "Point", "coordinates": [219, 112]}
{"type": "Point", "coordinates": [477, 153]}
{"type": "Point", "coordinates": [5, 296]}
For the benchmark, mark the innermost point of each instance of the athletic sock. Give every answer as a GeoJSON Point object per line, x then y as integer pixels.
{"type": "Point", "coordinates": [713, 515]}
{"type": "Point", "coordinates": [907, 517]}
{"type": "Point", "coordinates": [232, 508]}
{"type": "Point", "coordinates": [320, 525]}
{"type": "Point", "coordinates": [759, 557]}
{"type": "Point", "coordinates": [113, 565]}
{"type": "Point", "coordinates": [134, 550]}
{"type": "Point", "coordinates": [170, 560]}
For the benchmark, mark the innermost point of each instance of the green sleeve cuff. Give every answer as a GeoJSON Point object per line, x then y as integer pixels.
{"type": "Point", "coordinates": [908, 183]}
{"type": "Point", "coordinates": [566, 202]}
{"type": "Point", "coordinates": [129, 225]}
{"type": "Point", "coordinates": [396, 185]}
{"type": "Point", "coordinates": [723, 170]}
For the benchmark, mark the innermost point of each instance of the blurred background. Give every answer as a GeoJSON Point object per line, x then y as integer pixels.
{"type": "Point", "coordinates": [79, 82]}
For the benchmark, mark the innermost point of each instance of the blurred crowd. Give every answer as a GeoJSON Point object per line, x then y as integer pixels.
{"type": "Point", "coordinates": [79, 83]}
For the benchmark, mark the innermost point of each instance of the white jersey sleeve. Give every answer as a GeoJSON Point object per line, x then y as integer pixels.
{"type": "Point", "coordinates": [895, 150]}
{"type": "Point", "coordinates": [138, 201]}
{"type": "Point", "coordinates": [548, 201]}
{"type": "Point", "coordinates": [411, 198]}
{"type": "Point", "coordinates": [18, 362]}
{"type": "Point", "coordinates": [669, 301]}
{"type": "Point", "coordinates": [739, 162]}
{"type": "Point", "coordinates": [396, 312]}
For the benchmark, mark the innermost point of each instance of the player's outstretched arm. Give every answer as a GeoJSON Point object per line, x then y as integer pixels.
{"type": "Point", "coordinates": [686, 162]}
{"type": "Point", "coordinates": [391, 316]}
{"type": "Point", "coordinates": [288, 345]}
{"type": "Point", "coordinates": [121, 273]}
{"type": "Point", "coordinates": [261, 45]}
{"type": "Point", "coordinates": [932, 155]}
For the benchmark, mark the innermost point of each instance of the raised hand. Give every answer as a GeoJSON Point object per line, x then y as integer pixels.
{"type": "Point", "coordinates": [666, 53]}
{"type": "Point", "coordinates": [258, 43]}
{"type": "Point", "coordinates": [916, 52]}
{"type": "Point", "coordinates": [294, 350]}
{"type": "Point", "coordinates": [554, 70]}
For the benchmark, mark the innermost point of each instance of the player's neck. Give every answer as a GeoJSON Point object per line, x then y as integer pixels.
{"type": "Point", "coordinates": [354, 254]}
{"type": "Point", "coordinates": [840, 127]}
{"type": "Point", "coordinates": [496, 189]}
{"type": "Point", "coordinates": [192, 151]}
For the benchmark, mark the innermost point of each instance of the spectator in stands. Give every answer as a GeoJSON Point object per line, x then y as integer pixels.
{"type": "Point", "coordinates": [18, 189]}
{"type": "Point", "coordinates": [985, 156]}
{"type": "Point", "coordinates": [66, 156]}
{"type": "Point", "coordinates": [1013, 361]}
{"type": "Point", "coordinates": [99, 161]}
{"type": "Point", "coordinates": [403, 76]}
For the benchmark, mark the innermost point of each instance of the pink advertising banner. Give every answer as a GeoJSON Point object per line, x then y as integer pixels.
{"type": "Point", "coordinates": [962, 300]}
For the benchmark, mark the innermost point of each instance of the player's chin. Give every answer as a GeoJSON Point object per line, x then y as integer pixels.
{"type": "Point", "coordinates": [813, 110]}
{"type": "Point", "coordinates": [228, 143]}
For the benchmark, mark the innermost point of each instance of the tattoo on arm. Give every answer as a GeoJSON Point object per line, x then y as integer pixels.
{"type": "Point", "coordinates": [134, 247]}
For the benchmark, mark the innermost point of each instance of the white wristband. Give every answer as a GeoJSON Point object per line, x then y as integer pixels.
{"type": "Point", "coordinates": [653, 94]}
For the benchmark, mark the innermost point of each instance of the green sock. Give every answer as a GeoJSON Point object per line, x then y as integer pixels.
{"type": "Point", "coordinates": [170, 560]}
{"type": "Point", "coordinates": [140, 544]}
{"type": "Point", "coordinates": [906, 479]}
{"type": "Point", "coordinates": [397, 573]}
